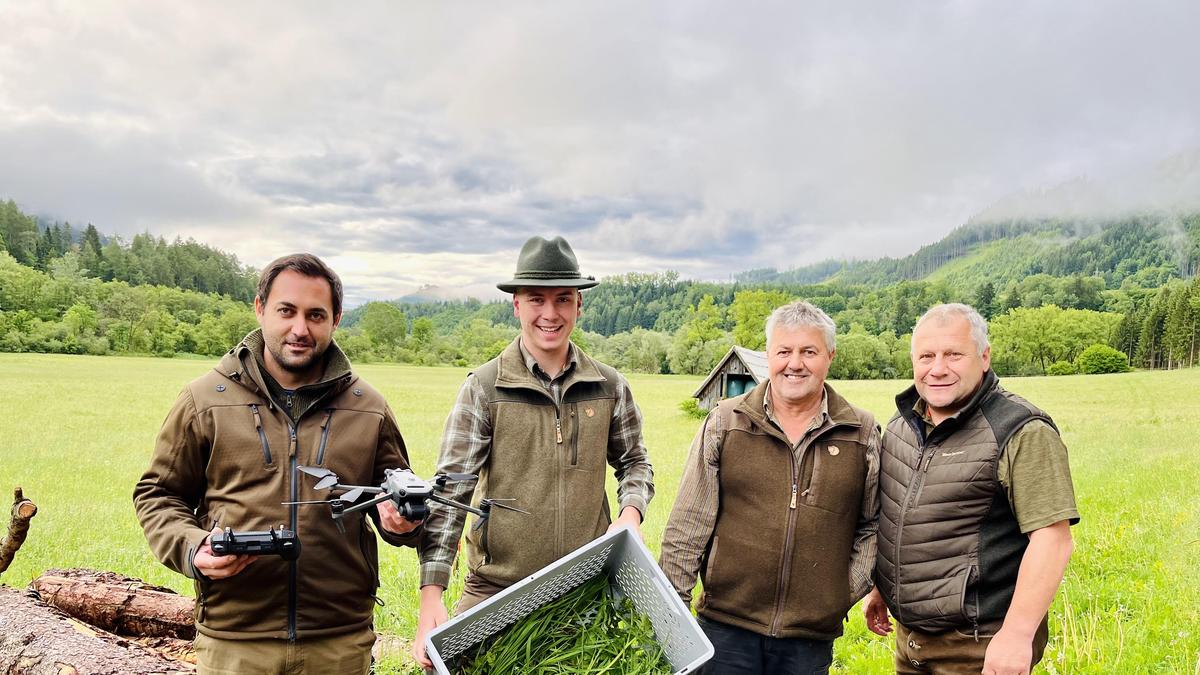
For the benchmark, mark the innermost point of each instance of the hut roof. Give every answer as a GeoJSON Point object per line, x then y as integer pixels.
{"type": "Point", "coordinates": [756, 363]}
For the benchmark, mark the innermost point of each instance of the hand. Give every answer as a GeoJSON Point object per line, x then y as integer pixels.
{"type": "Point", "coordinates": [876, 613]}
{"type": "Point", "coordinates": [219, 566]}
{"type": "Point", "coordinates": [432, 614]}
{"type": "Point", "coordinates": [1009, 653]}
{"type": "Point", "coordinates": [630, 517]}
{"type": "Point", "coordinates": [392, 521]}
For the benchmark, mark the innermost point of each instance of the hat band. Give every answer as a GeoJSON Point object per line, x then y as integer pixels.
{"type": "Point", "coordinates": [553, 274]}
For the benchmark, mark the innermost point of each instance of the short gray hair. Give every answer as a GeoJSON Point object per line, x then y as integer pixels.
{"type": "Point", "coordinates": [944, 312]}
{"type": "Point", "coordinates": [801, 314]}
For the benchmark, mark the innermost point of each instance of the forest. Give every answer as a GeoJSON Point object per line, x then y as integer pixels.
{"type": "Point", "coordinates": [1061, 297]}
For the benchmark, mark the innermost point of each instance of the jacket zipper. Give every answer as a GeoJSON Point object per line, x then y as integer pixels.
{"type": "Point", "coordinates": [324, 436]}
{"type": "Point", "coordinates": [293, 566]}
{"type": "Point", "coordinates": [785, 568]}
{"type": "Point", "coordinates": [262, 435]}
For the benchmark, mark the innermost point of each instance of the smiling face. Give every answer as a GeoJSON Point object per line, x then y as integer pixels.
{"type": "Point", "coordinates": [798, 361]}
{"type": "Point", "coordinates": [947, 365]}
{"type": "Point", "coordinates": [297, 322]}
{"type": "Point", "coordinates": [547, 316]}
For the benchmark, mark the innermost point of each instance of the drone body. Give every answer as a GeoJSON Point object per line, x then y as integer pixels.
{"type": "Point", "coordinates": [410, 493]}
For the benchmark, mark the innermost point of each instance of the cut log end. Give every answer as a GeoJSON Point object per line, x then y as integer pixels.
{"type": "Point", "coordinates": [25, 509]}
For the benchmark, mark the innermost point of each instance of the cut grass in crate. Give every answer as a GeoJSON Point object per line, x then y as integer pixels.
{"type": "Point", "coordinates": [585, 631]}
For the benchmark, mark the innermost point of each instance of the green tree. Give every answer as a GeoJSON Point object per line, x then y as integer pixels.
{"type": "Point", "coordinates": [384, 324]}
{"type": "Point", "coordinates": [1099, 358]}
{"type": "Point", "coordinates": [985, 299]}
{"type": "Point", "coordinates": [750, 310]}
{"type": "Point", "coordinates": [699, 342]}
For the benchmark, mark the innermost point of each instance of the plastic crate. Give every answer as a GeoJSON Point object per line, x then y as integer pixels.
{"type": "Point", "coordinates": [632, 573]}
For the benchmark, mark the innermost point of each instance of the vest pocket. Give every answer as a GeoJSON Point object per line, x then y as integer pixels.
{"type": "Point", "coordinates": [968, 599]}
{"type": "Point", "coordinates": [836, 481]}
{"type": "Point", "coordinates": [712, 557]}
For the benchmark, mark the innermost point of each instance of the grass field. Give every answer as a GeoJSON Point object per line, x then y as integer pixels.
{"type": "Point", "coordinates": [76, 433]}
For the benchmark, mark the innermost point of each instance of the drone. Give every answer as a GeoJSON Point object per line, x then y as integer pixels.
{"type": "Point", "coordinates": [410, 493]}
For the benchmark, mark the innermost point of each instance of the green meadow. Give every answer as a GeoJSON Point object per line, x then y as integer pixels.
{"type": "Point", "coordinates": [76, 434]}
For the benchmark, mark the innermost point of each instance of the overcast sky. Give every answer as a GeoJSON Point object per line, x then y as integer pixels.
{"type": "Point", "coordinates": [422, 143]}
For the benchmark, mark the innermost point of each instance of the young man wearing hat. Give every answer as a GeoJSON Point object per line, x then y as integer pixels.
{"type": "Point", "coordinates": [537, 425]}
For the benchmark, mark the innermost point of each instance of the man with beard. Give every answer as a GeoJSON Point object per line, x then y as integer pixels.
{"type": "Point", "coordinates": [227, 456]}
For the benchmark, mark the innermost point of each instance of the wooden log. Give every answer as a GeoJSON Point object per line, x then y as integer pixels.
{"type": "Point", "coordinates": [118, 604]}
{"type": "Point", "coordinates": [36, 639]}
{"type": "Point", "coordinates": [18, 528]}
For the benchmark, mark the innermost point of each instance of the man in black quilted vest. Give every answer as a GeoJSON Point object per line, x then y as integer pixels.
{"type": "Point", "coordinates": [976, 502]}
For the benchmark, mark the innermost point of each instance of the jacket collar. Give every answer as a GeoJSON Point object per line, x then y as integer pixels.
{"type": "Point", "coordinates": [241, 365]}
{"type": "Point", "coordinates": [839, 411]}
{"type": "Point", "coordinates": [514, 372]}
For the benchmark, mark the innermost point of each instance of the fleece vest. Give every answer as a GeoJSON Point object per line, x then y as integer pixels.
{"type": "Point", "coordinates": [779, 559]}
{"type": "Point", "coordinates": [949, 544]}
{"type": "Point", "coordinates": [551, 459]}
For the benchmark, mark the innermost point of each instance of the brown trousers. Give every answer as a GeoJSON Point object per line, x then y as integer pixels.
{"type": "Point", "coordinates": [348, 654]}
{"type": "Point", "coordinates": [953, 652]}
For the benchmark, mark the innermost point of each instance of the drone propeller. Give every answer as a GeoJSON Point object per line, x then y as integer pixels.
{"type": "Point", "coordinates": [326, 478]}
{"type": "Point", "coordinates": [440, 480]}
{"type": "Point", "coordinates": [498, 503]}
{"type": "Point", "coordinates": [352, 495]}
{"type": "Point", "coordinates": [486, 506]}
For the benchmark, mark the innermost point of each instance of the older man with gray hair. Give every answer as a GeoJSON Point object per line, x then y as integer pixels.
{"type": "Point", "coordinates": [977, 502]}
{"type": "Point", "coordinates": [776, 512]}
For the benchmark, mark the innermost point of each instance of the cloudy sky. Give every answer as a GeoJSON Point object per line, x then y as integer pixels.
{"type": "Point", "coordinates": [422, 143]}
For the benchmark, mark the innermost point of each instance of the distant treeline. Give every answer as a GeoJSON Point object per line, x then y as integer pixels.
{"type": "Point", "coordinates": [146, 259]}
{"type": "Point", "coordinates": [67, 294]}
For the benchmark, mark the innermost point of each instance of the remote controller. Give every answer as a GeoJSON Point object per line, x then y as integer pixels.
{"type": "Point", "coordinates": [280, 542]}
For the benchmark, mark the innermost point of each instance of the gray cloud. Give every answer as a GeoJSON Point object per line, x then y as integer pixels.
{"type": "Point", "coordinates": [422, 143]}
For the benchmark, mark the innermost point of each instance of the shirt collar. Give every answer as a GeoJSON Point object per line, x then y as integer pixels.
{"type": "Point", "coordinates": [818, 419]}
{"type": "Point", "coordinates": [532, 364]}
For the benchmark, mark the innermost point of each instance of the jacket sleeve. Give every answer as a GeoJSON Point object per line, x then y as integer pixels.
{"type": "Point", "coordinates": [391, 454]}
{"type": "Point", "coordinates": [169, 492]}
{"type": "Point", "coordinates": [693, 518]}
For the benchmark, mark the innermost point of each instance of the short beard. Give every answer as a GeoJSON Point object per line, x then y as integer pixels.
{"type": "Point", "coordinates": [291, 366]}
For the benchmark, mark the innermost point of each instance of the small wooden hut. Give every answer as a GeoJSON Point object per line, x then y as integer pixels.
{"type": "Point", "coordinates": [736, 373]}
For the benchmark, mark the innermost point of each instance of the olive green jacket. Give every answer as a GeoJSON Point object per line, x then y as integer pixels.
{"type": "Point", "coordinates": [227, 455]}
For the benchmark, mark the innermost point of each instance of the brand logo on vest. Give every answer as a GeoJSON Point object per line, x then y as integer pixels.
{"type": "Point", "coordinates": [833, 450]}
{"type": "Point", "coordinates": [952, 454]}
{"type": "Point", "coordinates": [589, 412]}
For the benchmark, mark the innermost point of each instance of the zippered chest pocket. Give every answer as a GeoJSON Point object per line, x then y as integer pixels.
{"type": "Point", "coordinates": [261, 431]}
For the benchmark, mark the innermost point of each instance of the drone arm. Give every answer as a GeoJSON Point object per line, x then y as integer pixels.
{"type": "Point", "coordinates": [367, 504]}
{"type": "Point", "coordinates": [457, 505]}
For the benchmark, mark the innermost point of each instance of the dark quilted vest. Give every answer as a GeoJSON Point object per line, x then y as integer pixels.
{"type": "Point", "coordinates": [949, 544]}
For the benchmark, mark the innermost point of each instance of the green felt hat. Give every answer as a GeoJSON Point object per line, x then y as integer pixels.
{"type": "Point", "coordinates": [548, 264]}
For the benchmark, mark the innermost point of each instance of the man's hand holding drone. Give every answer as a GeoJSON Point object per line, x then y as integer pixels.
{"type": "Point", "coordinates": [391, 520]}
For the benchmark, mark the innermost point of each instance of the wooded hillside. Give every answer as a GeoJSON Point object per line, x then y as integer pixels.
{"type": "Point", "coordinates": [1051, 289]}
